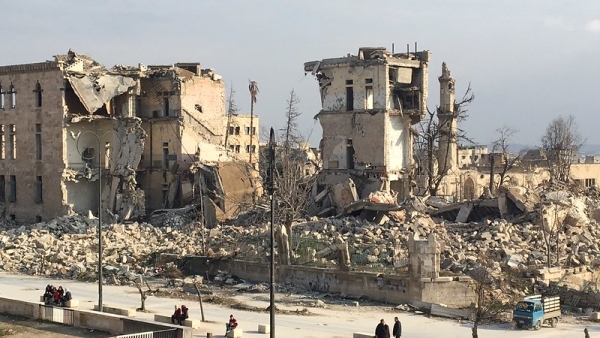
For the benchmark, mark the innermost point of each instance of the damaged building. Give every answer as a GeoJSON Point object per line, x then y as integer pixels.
{"type": "Point", "coordinates": [145, 129]}
{"type": "Point", "coordinates": [369, 104]}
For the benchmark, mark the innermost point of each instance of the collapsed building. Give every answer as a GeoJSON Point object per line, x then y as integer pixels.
{"type": "Point", "coordinates": [369, 104]}
{"type": "Point", "coordinates": [144, 130]}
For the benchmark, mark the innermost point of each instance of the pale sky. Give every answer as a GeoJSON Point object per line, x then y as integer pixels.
{"type": "Point", "coordinates": [528, 61]}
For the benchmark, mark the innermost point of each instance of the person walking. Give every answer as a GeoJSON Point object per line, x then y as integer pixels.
{"type": "Point", "coordinates": [382, 330]}
{"type": "Point", "coordinates": [397, 331]}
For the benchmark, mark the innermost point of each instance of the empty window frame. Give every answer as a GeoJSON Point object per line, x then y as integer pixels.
{"type": "Point", "coordinates": [38, 189]}
{"type": "Point", "coordinates": [2, 97]}
{"type": "Point", "coordinates": [38, 141]}
{"type": "Point", "coordinates": [166, 107]}
{"type": "Point", "coordinates": [13, 96]}
{"type": "Point", "coordinates": [590, 182]}
{"type": "Point", "coordinates": [38, 94]}
{"type": "Point", "coordinates": [369, 97]}
{"type": "Point", "coordinates": [349, 96]}
{"type": "Point", "coordinates": [2, 189]}
{"type": "Point", "coordinates": [165, 155]}
{"type": "Point", "coordinates": [12, 142]}
{"type": "Point", "coordinates": [2, 143]}
{"type": "Point", "coordinates": [12, 186]}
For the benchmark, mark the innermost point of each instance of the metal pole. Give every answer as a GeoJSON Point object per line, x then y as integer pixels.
{"type": "Point", "coordinates": [100, 171]}
{"type": "Point", "coordinates": [272, 289]}
{"type": "Point", "coordinates": [272, 189]}
{"type": "Point", "coordinates": [99, 227]}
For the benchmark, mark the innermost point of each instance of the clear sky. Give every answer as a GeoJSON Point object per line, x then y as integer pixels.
{"type": "Point", "coordinates": [528, 61]}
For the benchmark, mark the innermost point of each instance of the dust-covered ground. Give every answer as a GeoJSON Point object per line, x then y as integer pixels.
{"type": "Point", "coordinates": [12, 326]}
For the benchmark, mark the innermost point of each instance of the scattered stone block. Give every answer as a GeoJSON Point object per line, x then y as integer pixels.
{"type": "Point", "coordinates": [264, 328]}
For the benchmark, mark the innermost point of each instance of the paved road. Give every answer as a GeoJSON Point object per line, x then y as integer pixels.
{"type": "Point", "coordinates": [327, 323]}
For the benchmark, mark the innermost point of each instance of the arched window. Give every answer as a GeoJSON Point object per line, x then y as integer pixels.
{"type": "Point", "coordinates": [13, 95]}
{"type": "Point", "coordinates": [1, 97]}
{"type": "Point", "coordinates": [38, 94]}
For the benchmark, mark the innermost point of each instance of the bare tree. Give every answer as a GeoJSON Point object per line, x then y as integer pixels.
{"type": "Point", "coordinates": [502, 144]}
{"type": "Point", "coordinates": [232, 110]}
{"type": "Point", "coordinates": [197, 283]}
{"type": "Point", "coordinates": [492, 296]}
{"type": "Point", "coordinates": [294, 186]}
{"type": "Point", "coordinates": [561, 142]}
{"type": "Point", "coordinates": [552, 218]}
{"type": "Point", "coordinates": [430, 130]}
{"type": "Point", "coordinates": [139, 283]}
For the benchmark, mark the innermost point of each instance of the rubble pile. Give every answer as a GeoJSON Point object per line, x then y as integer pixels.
{"type": "Point", "coordinates": [67, 247]}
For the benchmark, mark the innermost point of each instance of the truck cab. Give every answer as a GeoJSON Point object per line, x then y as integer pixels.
{"type": "Point", "coordinates": [533, 311]}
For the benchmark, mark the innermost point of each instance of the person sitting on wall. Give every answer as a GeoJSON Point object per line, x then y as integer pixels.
{"type": "Point", "coordinates": [61, 292]}
{"type": "Point", "coordinates": [232, 324]}
{"type": "Point", "coordinates": [184, 314]}
{"type": "Point", "coordinates": [56, 296]}
{"type": "Point", "coordinates": [176, 315]}
{"type": "Point", "coordinates": [48, 295]}
{"type": "Point", "coordinates": [67, 297]}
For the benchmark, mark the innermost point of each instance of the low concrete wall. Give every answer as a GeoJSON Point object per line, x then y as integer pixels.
{"type": "Point", "coordinates": [131, 325]}
{"type": "Point", "coordinates": [20, 307]}
{"type": "Point", "coordinates": [114, 324]}
{"type": "Point", "coordinates": [385, 288]}
{"type": "Point", "coordinates": [98, 321]}
{"type": "Point", "coordinates": [455, 294]}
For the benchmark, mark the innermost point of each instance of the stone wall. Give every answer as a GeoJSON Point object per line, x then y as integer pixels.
{"type": "Point", "coordinates": [397, 289]}
{"type": "Point", "coordinates": [27, 115]}
{"type": "Point", "coordinates": [89, 319]}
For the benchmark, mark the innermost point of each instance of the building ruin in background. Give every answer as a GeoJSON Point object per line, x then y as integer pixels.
{"type": "Point", "coordinates": [369, 104]}
{"type": "Point", "coordinates": [158, 125]}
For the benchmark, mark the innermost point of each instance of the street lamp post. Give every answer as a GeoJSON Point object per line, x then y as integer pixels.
{"type": "Point", "coordinates": [89, 156]}
{"type": "Point", "coordinates": [271, 188]}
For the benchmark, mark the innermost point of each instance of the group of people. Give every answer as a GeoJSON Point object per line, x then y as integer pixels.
{"type": "Point", "coordinates": [57, 296]}
{"type": "Point", "coordinates": [383, 330]}
{"type": "Point", "coordinates": [181, 314]}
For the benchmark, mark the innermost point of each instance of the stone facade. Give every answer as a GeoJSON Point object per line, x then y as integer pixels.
{"type": "Point", "coordinates": [66, 123]}
{"type": "Point", "coordinates": [32, 151]}
{"type": "Point", "coordinates": [369, 103]}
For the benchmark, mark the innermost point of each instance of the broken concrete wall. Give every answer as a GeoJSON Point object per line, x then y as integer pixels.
{"type": "Point", "coordinates": [344, 193]}
{"type": "Point", "coordinates": [400, 143]}
{"type": "Point", "coordinates": [160, 96]}
{"type": "Point", "coordinates": [94, 90]}
{"type": "Point", "coordinates": [163, 146]}
{"type": "Point", "coordinates": [236, 181]}
{"type": "Point", "coordinates": [82, 141]}
{"type": "Point", "coordinates": [353, 139]}
{"type": "Point", "coordinates": [333, 96]}
{"type": "Point", "coordinates": [203, 103]}
{"type": "Point", "coordinates": [82, 195]}
{"type": "Point", "coordinates": [125, 199]}
{"type": "Point", "coordinates": [465, 184]}
{"type": "Point", "coordinates": [195, 147]}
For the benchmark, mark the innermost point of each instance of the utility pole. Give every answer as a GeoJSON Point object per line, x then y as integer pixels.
{"type": "Point", "coordinates": [271, 188]}
{"type": "Point", "coordinates": [86, 156]}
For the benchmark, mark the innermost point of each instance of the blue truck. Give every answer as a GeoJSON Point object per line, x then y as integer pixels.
{"type": "Point", "coordinates": [533, 311]}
